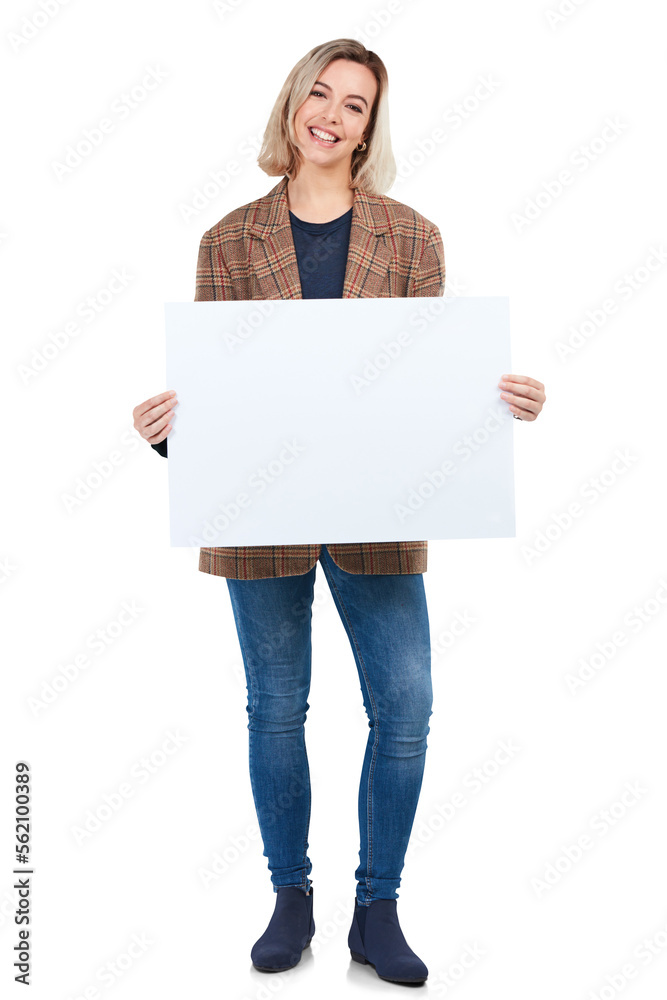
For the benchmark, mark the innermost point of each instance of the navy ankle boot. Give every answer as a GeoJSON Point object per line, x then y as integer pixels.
{"type": "Point", "coordinates": [376, 939]}
{"type": "Point", "coordinates": [290, 930]}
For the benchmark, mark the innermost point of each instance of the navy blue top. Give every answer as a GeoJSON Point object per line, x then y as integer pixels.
{"type": "Point", "coordinates": [321, 254]}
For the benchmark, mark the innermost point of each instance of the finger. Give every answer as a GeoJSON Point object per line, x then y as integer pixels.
{"type": "Point", "coordinates": [156, 438]}
{"type": "Point", "coordinates": [156, 426]}
{"type": "Point", "coordinates": [159, 431]}
{"type": "Point", "coordinates": [523, 414]}
{"type": "Point", "coordinates": [522, 394]}
{"type": "Point", "coordinates": [523, 380]}
{"type": "Point", "coordinates": [157, 412]}
{"type": "Point", "coordinates": [529, 388]}
{"type": "Point", "coordinates": [521, 389]}
{"type": "Point", "coordinates": [148, 404]}
{"type": "Point", "coordinates": [520, 400]}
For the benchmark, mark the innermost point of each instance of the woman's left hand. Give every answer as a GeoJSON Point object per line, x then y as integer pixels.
{"type": "Point", "coordinates": [525, 395]}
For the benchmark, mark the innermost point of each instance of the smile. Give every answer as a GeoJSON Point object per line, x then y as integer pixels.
{"type": "Point", "coordinates": [323, 137]}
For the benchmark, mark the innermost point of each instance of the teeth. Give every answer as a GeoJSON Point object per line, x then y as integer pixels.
{"type": "Point", "coordinates": [323, 135]}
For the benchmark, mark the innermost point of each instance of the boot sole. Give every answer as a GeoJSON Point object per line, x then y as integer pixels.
{"type": "Point", "coordinates": [281, 968]}
{"type": "Point", "coordinates": [364, 961]}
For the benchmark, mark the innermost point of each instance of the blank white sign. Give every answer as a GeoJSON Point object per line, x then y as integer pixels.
{"type": "Point", "coordinates": [339, 420]}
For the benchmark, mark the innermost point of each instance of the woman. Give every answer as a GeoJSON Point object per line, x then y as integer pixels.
{"type": "Point", "coordinates": [327, 230]}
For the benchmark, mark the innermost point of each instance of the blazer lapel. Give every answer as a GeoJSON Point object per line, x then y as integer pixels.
{"type": "Point", "coordinates": [273, 257]}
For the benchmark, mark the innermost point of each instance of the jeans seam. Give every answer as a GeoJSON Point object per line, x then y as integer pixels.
{"type": "Point", "coordinates": [246, 659]}
{"type": "Point", "coordinates": [304, 881]}
{"type": "Point", "coordinates": [371, 697]}
{"type": "Point", "coordinates": [305, 841]}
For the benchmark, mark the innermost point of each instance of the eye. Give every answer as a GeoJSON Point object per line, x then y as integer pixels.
{"type": "Point", "coordinates": [318, 93]}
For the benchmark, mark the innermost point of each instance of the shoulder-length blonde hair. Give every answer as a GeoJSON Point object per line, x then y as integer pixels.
{"type": "Point", "coordinates": [373, 169]}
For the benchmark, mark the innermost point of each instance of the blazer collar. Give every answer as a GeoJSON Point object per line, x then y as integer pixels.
{"type": "Point", "coordinates": [271, 225]}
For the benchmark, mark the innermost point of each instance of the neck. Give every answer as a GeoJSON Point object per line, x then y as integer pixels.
{"type": "Point", "coordinates": [319, 195]}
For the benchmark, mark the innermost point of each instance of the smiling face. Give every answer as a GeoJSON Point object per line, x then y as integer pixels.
{"type": "Point", "coordinates": [338, 109]}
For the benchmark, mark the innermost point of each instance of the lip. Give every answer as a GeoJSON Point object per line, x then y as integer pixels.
{"type": "Point", "coordinates": [321, 142]}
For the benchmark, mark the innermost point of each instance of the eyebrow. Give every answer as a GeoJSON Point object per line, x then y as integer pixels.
{"type": "Point", "coordinates": [318, 83]}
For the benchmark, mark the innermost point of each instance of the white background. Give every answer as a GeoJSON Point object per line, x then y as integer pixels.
{"type": "Point", "coordinates": [468, 882]}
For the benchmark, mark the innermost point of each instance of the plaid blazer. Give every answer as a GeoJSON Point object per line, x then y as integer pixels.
{"type": "Point", "coordinates": [249, 254]}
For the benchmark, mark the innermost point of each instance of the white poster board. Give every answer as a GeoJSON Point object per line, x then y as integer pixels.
{"type": "Point", "coordinates": [339, 420]}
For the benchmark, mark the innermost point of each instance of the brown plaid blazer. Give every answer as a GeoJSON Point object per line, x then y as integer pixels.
{"type": "Point", "coordinates": [249, 254]}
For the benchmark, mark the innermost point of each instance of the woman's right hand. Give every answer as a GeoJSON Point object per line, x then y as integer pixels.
{"type": "Point", "coordinates": [151, 418]}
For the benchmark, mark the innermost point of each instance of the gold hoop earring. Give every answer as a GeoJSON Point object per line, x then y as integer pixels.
{"type": "Point", "coordinates": [361, 148]}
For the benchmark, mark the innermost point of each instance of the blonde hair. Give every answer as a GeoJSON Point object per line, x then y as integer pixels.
{"type": "Point", "coordinates": [373, 169]}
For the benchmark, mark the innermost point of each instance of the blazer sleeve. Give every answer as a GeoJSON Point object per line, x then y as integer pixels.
{"type": "Point", "coordinates": [429, 278]}
{"type": "Point", "coordinates": [213, 278]}
{"type": "Point", "coordinates": [213, 282]}
{"type": "Point", "coordinates": [161, 448]}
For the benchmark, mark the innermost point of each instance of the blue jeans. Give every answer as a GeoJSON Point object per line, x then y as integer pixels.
{"type": "Point", "coordinates": [386, 620]}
